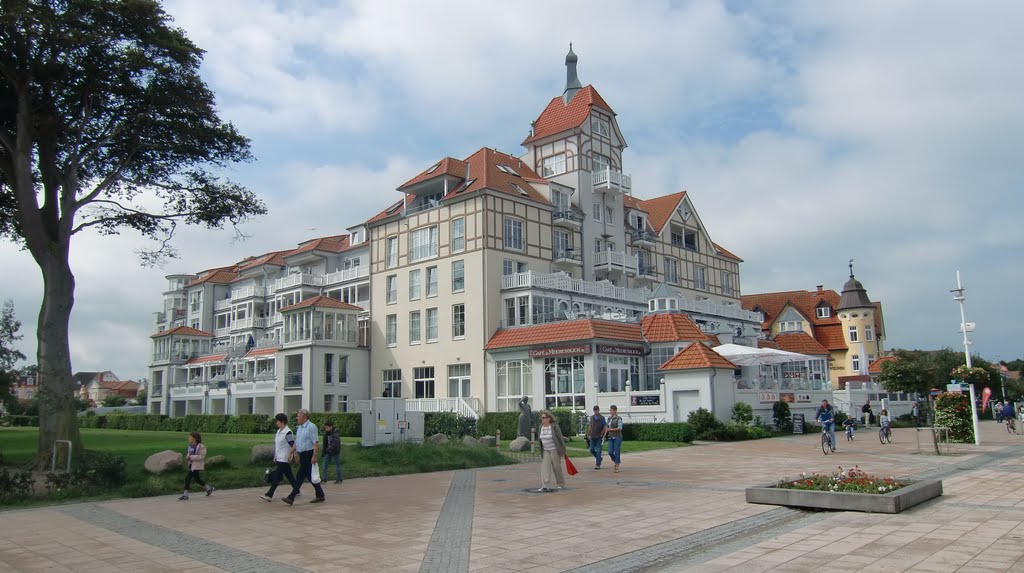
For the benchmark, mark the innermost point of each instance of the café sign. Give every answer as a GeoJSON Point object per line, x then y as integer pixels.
{"type": "Point", "coordinates": [560, 351]}
{"type": "Point", "coordinates": [620, 350]}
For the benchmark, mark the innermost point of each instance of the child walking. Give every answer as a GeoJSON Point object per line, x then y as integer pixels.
{"type": "Point", "coordinates": [196, 458]}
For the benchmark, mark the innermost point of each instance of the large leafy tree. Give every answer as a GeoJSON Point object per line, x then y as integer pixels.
{"type": "Point", "coordinates": [105, 126]}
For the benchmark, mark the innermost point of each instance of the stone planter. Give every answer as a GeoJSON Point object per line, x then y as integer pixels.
{"type": "Point", "coordinates": [892, 502]}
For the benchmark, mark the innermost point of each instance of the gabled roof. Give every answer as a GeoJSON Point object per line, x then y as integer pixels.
{"type": "Point", "coordinates": [558, 117]}
{"type": "Point", "coordinates": [564, 331]}
{"type": "Point", "coordinates": [275, 258]}
{"type": "Point", "coordinates": [122, 385]}
{"type": "Point", "coordinates": [223, 275]}
{"type": "Point", "coordinates": [207, 358]}
{"type": "Point", "coordinates": [830, 336]}
{"type": "Point", "coordinates": [447, 166]}
{"type": "Point", "coordinates": [876, 366]}
{"type": "Point", "coordinates": [725, 253]}
{"type": "Point", "coordinates": [696, 356]}
{"type": "Point", "coordinates": [801, 343]}
{"type": "Point", "coordinates": [660, 209]}
{"type": "Point", "coordinates": [321, 302]}
{"type": "Point", "coordinates": [670, 327]}
{"type": "Point", "coordinates": [182, 331]}
{"type": "Point", "coordinates": [805, 302]}
{"type": "Point", "coordinates": [332, 244]}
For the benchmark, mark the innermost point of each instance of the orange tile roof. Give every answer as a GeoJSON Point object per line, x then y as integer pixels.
{"type": "Point", "coordinates": [558, 117]}
{"type": "Point", "coordinates": [331, 244]}
{"type": "Point", "coordinates": [272, 258]}
{"type": "Point", "coordinates": [261, 352]}
{"type": "Point", "coordinates": [323, 302]}
{"type": "Point", "coordinates": [660, 209]}
{"type": "Point", "coordinates": [830, 336]}
{"type": "Point", "coordinates": [182, 331]}
{"type": "Point", "coordinates": [767, 344]}
{"type": "Point", "coordinates": [713, 340]}
{"type": "Point", "coordinates": [725, 252]}
{"type": "Point", "coordinates": [222, 275]}
{"type": "Point", "coordinates": [631, 202]}
{"type": "Point", "coordinates": [805, 302]}
{"type": "Point", "coordinates": [205, 359]}
{"type": "Point", "coordinates": [565, 331]}
{"type": "Point", "coordinates": [876, 366]}
{"type": "Point", "coordinates": [123, 385]}
{"type": "Point", "coordinates": [670, 327]}
{"type": "Point", "coordinates": [447, 166]}
{"type": "Point", "coordinates": [800, 342]}
{"type": "Point", "coordinates": [696, 356]}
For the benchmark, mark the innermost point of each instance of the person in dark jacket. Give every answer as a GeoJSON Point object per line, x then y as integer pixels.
{"type": "Point", "coordinates": [332, 452]}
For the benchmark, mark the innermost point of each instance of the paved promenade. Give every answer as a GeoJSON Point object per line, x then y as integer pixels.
{"type": "Point", "coordinates": [670, 510]}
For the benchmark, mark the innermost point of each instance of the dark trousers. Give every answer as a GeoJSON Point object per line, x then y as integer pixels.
{"type": "Point", "coordinates": [193, 475]}
{"type": "Point", "coordinates": [283, 469]}
{"type": "Point", "coordinates": [305, 472]}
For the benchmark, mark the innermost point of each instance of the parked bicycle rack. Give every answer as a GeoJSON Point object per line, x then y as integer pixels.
{"type": "Point", "coordinates": [53, 460]}
{"type": "Point", "coordinates": [937, 434]}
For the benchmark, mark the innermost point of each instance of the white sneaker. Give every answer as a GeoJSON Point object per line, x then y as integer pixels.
{"type": "Point", "coordinates": [266, 498]}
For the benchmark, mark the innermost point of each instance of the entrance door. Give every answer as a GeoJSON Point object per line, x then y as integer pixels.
{"type": "Point", "coordinates": [685, 402]}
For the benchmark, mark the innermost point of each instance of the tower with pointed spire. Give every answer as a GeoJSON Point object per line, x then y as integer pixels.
{"type": "Point", "coordinates": [861, 325]}
{"type": "Point", "coordinates": [572, 81]}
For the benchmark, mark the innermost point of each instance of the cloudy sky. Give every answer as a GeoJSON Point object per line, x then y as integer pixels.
{"type": "Point", "coordinates": [807, 133]}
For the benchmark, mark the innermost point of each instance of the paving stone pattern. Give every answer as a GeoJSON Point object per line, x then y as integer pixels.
{"type": "Point", "coordinates": [448, 550]}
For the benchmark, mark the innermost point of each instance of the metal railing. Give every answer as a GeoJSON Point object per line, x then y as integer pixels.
{"type": "Point", "coordinates": [609, 179]}
{"type": "Point", "coordinates": [569, 216]}
{"type": "Point", "coordinates": [568, 284]}
{"type": "Point", "coordinates": [299, 279]}
{"type": "Point", "coordinates": [293, 380]}
{"type": "Point", "coordinates": [567, 255]}
{"type": "Point", "coordinates": [457, 405]}
{"type": "Point", "coordinates": [615, 259]}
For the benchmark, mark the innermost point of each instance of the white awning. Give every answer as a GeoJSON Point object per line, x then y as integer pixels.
{"type": "Point", "coordinates": [749, 356]}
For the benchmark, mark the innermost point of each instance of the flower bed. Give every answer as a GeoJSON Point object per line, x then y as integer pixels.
{"type": "Point", "coordinates": [853, 480]}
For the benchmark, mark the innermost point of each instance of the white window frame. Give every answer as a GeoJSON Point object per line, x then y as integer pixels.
{"type": "Point", "coordinates": [391, 255]}
{"type": "Point", "coordinates": [553, 165]}
{"type": "Point", "coordinates": [391, 289]}
{"type": "Point", "coordinates": [514, 234]}
{"type": "Point", "coordinates": [852, 333]}
{"type": "Point", "coordinates": [726, 282]}
{"type": "Point", "coordinates": [432, 325]}
{"type": "Point", "coordinates": [791, 326]}
{"type": "Point", "coordinates": [855, 363]}
{"type": "Point", "coordinates": [415, 327]}
{"type": "Point", "coordinates": [423, 244]}
{"type": "Point", "coordinates": [869, 333]}
{"type": "Point", "coordinates": [458, 242]}
{"type": "Point", "coordinates": [391, 330]}
{"type": "Point", "coordinates": [414, 284]}
{"type": "Point", "coordinates": [424, 375]}
{"type": "Point", "coordinates": [700, 278]}
{"type": "Point", "coordinates": [597, 211]}
{"type": "Point", "coordinates": [459, 380]}
{"type": "Point", "coordinates": [431, 282]}
{"type": "Point", "coordinates": [600, 127]}
{"type": "Point", "coordinates": [671, 271]}
{"type": "Point", "coordinates": [458, 276]}
{"type": "Point", "coordinates": [458, 321]}
{"type": "Point", "coordinates": [823, 312]}
{"type": "Point", "coordinates": [514, 378]}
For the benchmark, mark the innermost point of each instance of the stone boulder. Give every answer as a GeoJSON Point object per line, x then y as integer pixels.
{"type": "Point", "coordinates": [215, 460]}
{"type": "Point", "coordinates": [519, 444]}
{"type": "Point", "coordinates": [263, 453]}
{"type": "Point", "coordinates": [470, 441]}
{"type": "Point", "coordinates": [438, 439]}
{"type": "Point", "coordinates": [161, 462]}
{"type": "Point", "coordinates": [488, 441]}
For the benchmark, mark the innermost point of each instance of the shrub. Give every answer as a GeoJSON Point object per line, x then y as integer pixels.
{"type": "Point", "coordinates": [661, 432]}
{"type": "Point", "coordinates": [16, 484]}
{"type": "Point", "coordinates": [507, 422]}
{"type": "Point", "coordinates": [742, 413]}
{"type": "Point", "coordinates": [250, 424]}
{"type": "Point", "coordinates": [782, 418]}
{"type": "Point", "coordinates": [449, 424]}
{"type": "Point", "coordinates": [703, 422]}
{"type": "Point", "coordinates": [99, 469]}
{"type": "Point", "coordinates": [348, 424]}
{"type": "Point", "coordinates": [23, 421]}
{"type": "Point", "coordinates": [568, 421]}
{"type": "Point", "coordinates": [757, 433]}
{"type": "Point", "coordinates": [953, 411]}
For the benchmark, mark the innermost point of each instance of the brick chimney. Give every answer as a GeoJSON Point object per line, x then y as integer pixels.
{"type": "Point", "coordinates": [821, 289]}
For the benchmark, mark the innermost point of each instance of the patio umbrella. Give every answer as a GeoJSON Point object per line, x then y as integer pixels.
{"type": "Point", "coordinates": [749, 356]}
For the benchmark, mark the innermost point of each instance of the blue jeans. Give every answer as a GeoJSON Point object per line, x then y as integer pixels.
{"type": "Point", "coordinates": [614, 445]}
{"type": "Point", "coordinates": [325, 464]}
{"type": "Point", "coordinates": [595, 449]}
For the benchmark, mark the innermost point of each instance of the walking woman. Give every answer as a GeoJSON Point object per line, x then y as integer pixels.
{"type": "Point", "coordinates": [196, 458]}
{"type": "Point", "coordinates": [283, 441]}
{"type": "Point", "coordinates": [552, 451]}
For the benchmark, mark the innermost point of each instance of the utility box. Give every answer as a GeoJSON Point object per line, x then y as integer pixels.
{"type": "Point", "coordinates": [385, 421]}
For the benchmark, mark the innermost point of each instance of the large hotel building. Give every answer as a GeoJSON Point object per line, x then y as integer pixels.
{"type": "Point", "coordinates": [488, 278]}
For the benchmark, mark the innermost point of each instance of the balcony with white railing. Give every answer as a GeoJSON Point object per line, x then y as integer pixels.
{"type": "Point", "coordinates": [268, 342]}
{"type": "Point", "coordinates": [346, 275]}
{"type": "Point", "coordinates": [318, 334]}
{"type": "Point", "coordinates": [610, 180]}
{"type": "Point", "coordinates": [568, 218]}
{"type": "Point", "coordinates": [248, 292]}
{"type": "Point", "coordinates": [221, 332]}
{"type": "Point", "coordinates": [613, 261]}
{"type": "Point", "coordinates": [642, 236]}
{"type": "Point", "coordinates": [250, 322]}
{"type": "Point", "coordinates": [223, 304]}
{"type": "Point", "coordinates": [567, 256]}
{"type": "Point", "coordinates": [565, 283]}
{"type": "Point", "coordinates": [299, 279]}
{"type": "Point", "coordinates": [293, 380]}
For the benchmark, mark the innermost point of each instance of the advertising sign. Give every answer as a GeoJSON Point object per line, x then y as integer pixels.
{"type": "Point", "coordinates": [560, 351]}
{"type": "Point", "coordinates": [768, 397]}
{"type": "Point", "coordinates": [620, 350]}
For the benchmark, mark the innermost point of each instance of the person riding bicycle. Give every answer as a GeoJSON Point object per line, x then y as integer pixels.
{"type": "Point", "coordinates": [885, 421]}
{"type": "Point", "coordinates": [849, 423]}
{"type": "Point", "coordinates": [1007, 412]}
{"type": "Point", "coordinates": [827, 417]}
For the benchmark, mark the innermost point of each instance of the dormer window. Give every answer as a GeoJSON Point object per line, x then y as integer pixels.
{"type": "Point", "coordinates": [434, 168]}
{"type": "Point", "coordinates": [600, 127]}
{"type": "Point", "coordinates": [823, 312]}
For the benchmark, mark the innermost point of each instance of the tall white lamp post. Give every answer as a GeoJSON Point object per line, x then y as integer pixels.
{"type": "Point", "coordinates": [958, 295]}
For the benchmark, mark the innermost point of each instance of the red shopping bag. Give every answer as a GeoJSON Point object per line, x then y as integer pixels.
{"type": "Point", "coordinates": [570, 468]}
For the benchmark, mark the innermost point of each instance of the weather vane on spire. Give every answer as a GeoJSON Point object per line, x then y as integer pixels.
{"type": "Point", "coordinates": [851, 268]}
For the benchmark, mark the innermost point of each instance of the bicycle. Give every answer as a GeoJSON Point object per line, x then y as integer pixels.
{"type": "Point", "coordinates": [885, 435]}
{"type": "Point", "coordinates": [1011, 426]}
{"type": "Point", "coordinates": [849, 432]}
{"type": "Point", "coordinates": [826, 439]}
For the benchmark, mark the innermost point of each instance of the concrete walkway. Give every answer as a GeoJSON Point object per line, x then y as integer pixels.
{"type": "Point", "coordinates": [669, 510]}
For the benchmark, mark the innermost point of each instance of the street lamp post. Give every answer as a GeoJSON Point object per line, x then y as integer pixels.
{"type": "Point", "coordinates": [958, 295]}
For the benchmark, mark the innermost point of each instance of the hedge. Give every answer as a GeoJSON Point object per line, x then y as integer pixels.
{"type": "Point", "coordinates": [347, 423]}
{"type": "Point", "coordinates": [449, 424]}
{"type": "Point", "coordinates": [19, 421]}
{"type": "Point", "coordinates": [658, 432]}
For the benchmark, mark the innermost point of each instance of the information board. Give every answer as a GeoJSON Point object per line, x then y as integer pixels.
{"type": "Point", "coordinates": [798, 423]}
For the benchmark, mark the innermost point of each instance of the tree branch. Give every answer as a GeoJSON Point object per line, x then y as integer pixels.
{"type": "Point", "coordinates": [129, 211]}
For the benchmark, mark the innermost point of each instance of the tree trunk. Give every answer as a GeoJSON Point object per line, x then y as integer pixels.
{"type": "Point", "coordinates": [58, 414]}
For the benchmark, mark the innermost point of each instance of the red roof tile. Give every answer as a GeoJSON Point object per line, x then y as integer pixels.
{"type": "Point", "coordinates": [261, 352]}
{"type": "Point", "coordinates": [558, 117]}
{"type": "Point", "coordinates": [447, 166]}
{"type": "Point", "coordinates": [332, 244]}
{"type": "Point", "coordinates": [876, 366]}
{"type": "Point", "coordinates": [321, 302]}
{"type": "Point", "coordinates": [696, 356]}
{"type": "Point", "coordinates": [217, 276]}
{"type": "Point", "coordinates": [830, 336]}
{"type": "Point", "coordinates": [565, 331]}
{"type": "Point", "coordinates": [805, 302]}
{"type": "Point", "coordinates": [801, 343]}
{"type": "Point", "coordinates": [181, 331]}
{"type": "Point", "coordinates": [767, 344]}
{"type": "Point", "coordinates": [660, 209]}
{"type": "Point", "coordinates": [209, 358]}
{"type": "Point", "coordinates": [725, 253]}
{"type": "Point", "coordinates": [275, 258]}
{"type": "Point", "coordinates": [670, 327]}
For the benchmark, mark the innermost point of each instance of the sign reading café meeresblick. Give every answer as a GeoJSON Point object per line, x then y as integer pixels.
{"type": "Point", "coordinates": [560, 351]}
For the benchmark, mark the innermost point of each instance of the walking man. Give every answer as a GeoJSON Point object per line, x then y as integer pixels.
{"type": "Point", "coordinates": [306, 448]}
{"type": "Point", "coordinates": [866, 410]}
{"type": "Point", "coordinates": [595, 432]}
{"type": "Point", "coordinates": [613, 435]}
{"type": "Point", "coordinates": [332, 452]}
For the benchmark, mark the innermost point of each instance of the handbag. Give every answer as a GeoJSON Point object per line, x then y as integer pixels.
{"type": "Point", "coordinates": [570, 468]}
{"type": "Point", "coordinates": [315, 474]}
{"type": "Point", "coordinates": [268, 475]}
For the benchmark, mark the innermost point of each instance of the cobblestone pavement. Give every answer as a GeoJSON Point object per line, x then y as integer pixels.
{"type": "Point", "coordinates": [668, 510]}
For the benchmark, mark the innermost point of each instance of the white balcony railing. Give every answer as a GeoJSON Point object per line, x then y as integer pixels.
{"type": "Point", "coordinates": [458, 405]}
{"type": "Point", "coordinates": [345, 275]}
{"type": "Point", "coordinates": [248, 292]}
{"type": "Point", "coordinates": [299, 279]}
{"type": "Point", "coordinates": [219, 332]}
{"type": "Point", "coordinates": [251, 322]}
{"type": "Point", "coordinates": [615, 260]}
{"type": "Point", "coordinates": [610, 179]}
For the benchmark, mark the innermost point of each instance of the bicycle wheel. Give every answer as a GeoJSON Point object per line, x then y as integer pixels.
{"type": "Point", "coordinates": [881, 435]}
{"type": "Point", "coordinates": [826, 443]}
{"type": "Point", "coordinates": [888, 435]}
